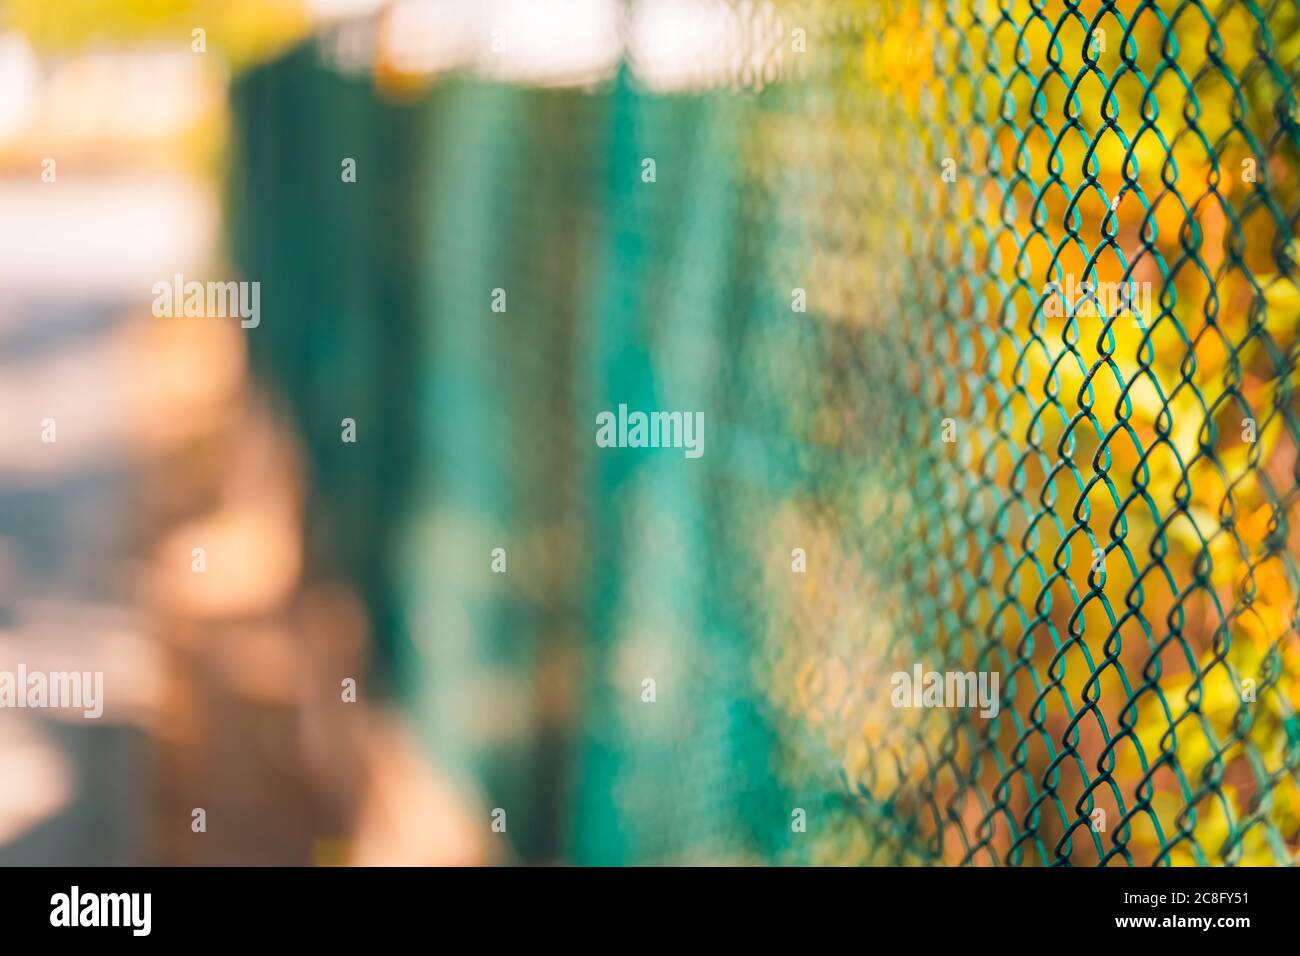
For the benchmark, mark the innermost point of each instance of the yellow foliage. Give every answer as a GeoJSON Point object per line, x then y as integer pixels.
{"type": "Point", "coordinates": [244, 31]}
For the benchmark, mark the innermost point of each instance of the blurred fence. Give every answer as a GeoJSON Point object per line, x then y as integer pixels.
{"type": "Point", "coordinates": [989, 463]}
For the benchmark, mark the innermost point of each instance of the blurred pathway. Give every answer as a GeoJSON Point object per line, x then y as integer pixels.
{"type": "Point", "coordinates": [77, 260]}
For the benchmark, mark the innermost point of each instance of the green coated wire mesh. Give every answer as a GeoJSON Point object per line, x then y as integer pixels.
{"type": "Point", "coordinates": [992, 311]}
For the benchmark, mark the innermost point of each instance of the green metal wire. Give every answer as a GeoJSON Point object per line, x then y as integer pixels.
{"type": "Point", "coordinates": [934, 176]}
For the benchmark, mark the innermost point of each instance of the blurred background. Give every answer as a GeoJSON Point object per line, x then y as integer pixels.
{"type": "Point", "coordinates": [801, 268]}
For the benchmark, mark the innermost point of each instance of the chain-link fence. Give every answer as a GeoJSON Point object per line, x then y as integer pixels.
{"type": "Point", "coordinates": [991, 310]}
